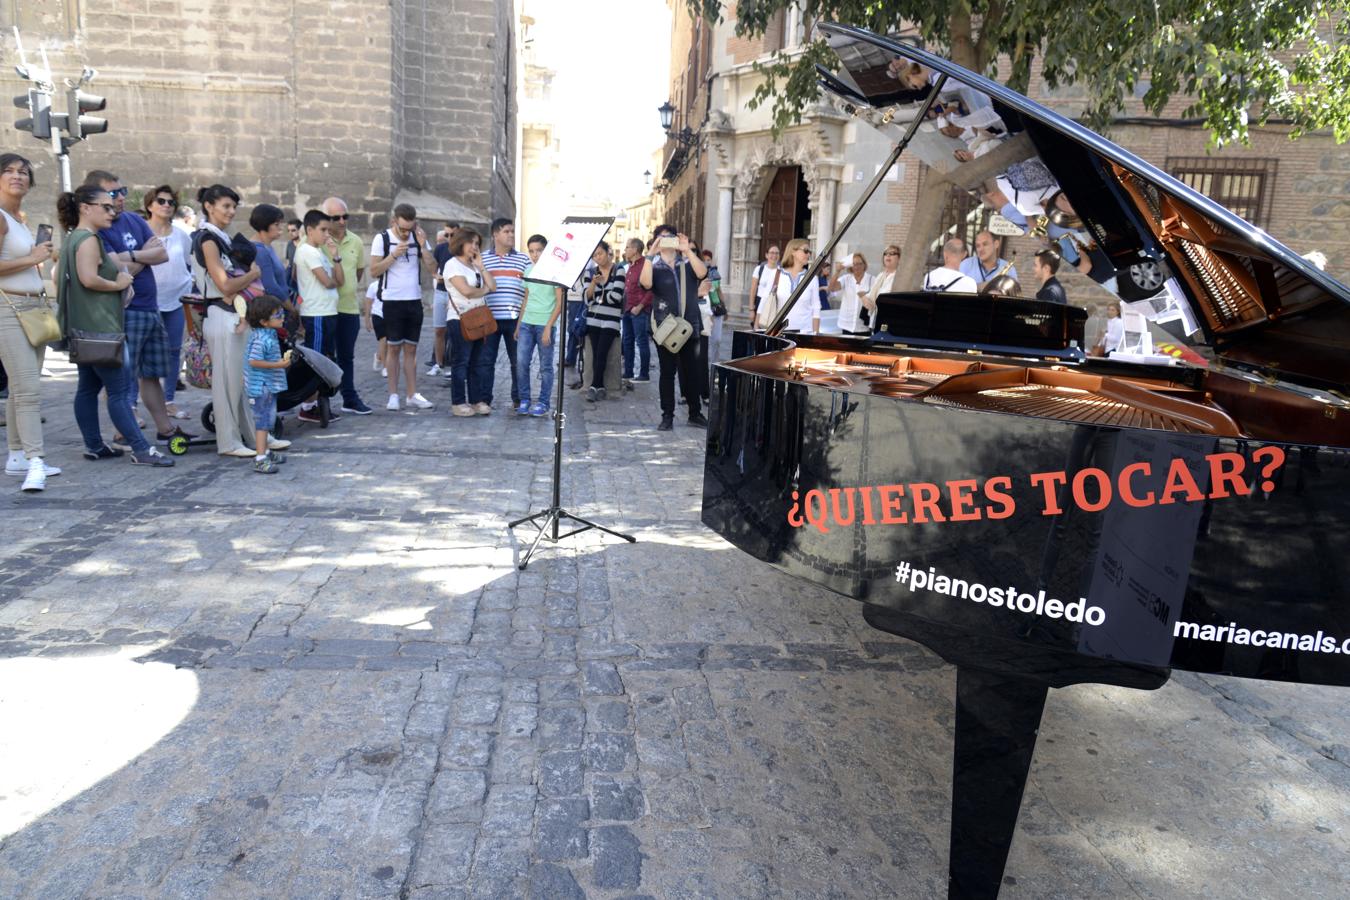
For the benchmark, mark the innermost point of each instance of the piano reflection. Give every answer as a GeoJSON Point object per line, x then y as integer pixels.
{"type": "Point", "coordinates": [1038, 516]}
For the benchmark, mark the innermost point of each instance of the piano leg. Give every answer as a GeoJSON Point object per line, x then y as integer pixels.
{"type": "Point", "coordinates": [997, 719]}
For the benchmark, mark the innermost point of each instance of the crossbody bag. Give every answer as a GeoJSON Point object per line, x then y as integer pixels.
{"type": "Point", "coordinates": [37, 321]}
{"type": "Point", "coordinates": [674, 330]}
{"type": "Point", "coordinates": [477, 323]}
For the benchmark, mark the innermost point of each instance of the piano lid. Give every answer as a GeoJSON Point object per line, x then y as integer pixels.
{"type": "Point", "coordinates": [1155, 242]}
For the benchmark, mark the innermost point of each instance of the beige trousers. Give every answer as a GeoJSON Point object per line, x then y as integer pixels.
{"type": "Point", "coordinates": [23, 365]}
{"type": "Point", "coordinates": [229, 404]}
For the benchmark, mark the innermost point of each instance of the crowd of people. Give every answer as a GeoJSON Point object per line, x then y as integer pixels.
{"type": "Point", "coordinates": [131, 284]}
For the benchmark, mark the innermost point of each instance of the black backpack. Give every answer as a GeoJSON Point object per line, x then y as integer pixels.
{"type": "Point", "coordinates": [388, 245]}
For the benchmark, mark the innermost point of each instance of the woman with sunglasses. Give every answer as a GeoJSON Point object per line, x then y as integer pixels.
{"type": "Point", "coordinates": [21, 284]}
{"type": "Point", "coordinates": [173, 281]}
{"type": "Point", "coordinates": [90, 289]}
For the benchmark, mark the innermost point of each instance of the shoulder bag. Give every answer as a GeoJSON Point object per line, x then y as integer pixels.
{"type": "Point", "coordinates": [477, 323]}
{"type": "Point", "coordinates": [674, 330]}
{"type": "Point", "coordinates": [38, 322]}
{"type": "Point", "coordinates": [92, 348]}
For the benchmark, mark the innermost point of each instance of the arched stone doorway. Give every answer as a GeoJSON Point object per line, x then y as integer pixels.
{"type": "Point", "coordinates": [814, 186]}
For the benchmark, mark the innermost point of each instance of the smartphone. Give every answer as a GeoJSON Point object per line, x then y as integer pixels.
{"type": "Point", "coordinates": [44, 234]}
{"type": "Point", "coordinates": [668, 243]}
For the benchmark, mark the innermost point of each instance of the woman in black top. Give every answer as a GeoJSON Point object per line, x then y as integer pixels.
{"type": "Point", "coordinates": [673, 278]}
{"type": "Point", "coordinates": [604, 315]}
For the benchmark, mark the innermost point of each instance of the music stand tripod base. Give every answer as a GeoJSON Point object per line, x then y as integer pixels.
{"type": "Point", "coordinates": [549, 520]}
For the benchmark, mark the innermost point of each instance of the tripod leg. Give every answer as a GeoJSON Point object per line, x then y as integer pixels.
{"type": "Point", "coordinates": [589, 524]}
{"type": "Point", "coordinates": [552, 516]}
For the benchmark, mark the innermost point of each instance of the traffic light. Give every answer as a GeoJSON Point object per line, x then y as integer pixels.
{"type": "Point", "coordinates": [39, 118]}
{"type": "Point", "coordinates": [78, 103]}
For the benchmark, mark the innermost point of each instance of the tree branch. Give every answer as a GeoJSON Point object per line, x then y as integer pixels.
{"type": "Point", "coordinates": [991, 27]}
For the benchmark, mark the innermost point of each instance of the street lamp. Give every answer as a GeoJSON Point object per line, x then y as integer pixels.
{"type": "Point", "coordinates": [647, 178]}
{"type": "Point", "coordinates": [685, 136]}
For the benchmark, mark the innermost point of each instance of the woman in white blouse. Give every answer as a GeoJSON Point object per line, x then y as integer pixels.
{"type": "Point", "coordinates": [885, 282]}
{"type": "Point", "coordinates": [852, 285]}
{"type": "Point", "coordinates": [805, 316]}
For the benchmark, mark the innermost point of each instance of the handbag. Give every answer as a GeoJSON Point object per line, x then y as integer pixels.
{"type": "Point", "coordinates": [674, 330]}
{"type": "Point", "coordinates": [476, 323]}
{"type": "Point", "coordinates": [38, 323]}
{"type": "Point", "coordinates": [95, 348]}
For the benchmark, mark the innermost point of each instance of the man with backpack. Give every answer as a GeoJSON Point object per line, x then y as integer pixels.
{"type": "Point", "coordinates": [398, 256]}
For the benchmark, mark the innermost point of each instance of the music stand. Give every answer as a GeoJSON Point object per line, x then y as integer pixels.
{"type": "Point", "coordinates": [567, 257]}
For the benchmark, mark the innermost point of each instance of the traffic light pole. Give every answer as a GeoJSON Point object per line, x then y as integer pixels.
{"type": "Point", "coordinates": [62, 130]}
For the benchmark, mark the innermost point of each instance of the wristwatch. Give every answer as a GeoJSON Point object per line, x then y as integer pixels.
{"type": "Point", "coordinates": [133, 255]}
{"type": "Point", "coordinates": [337, 259]}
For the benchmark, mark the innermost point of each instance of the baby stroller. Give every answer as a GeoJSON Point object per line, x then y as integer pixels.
{"type": "Point", "coordinates": [310, 373]}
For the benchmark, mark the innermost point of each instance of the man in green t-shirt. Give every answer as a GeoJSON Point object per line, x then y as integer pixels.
{"type": "Point", "coordinates": [543, 302]}
{"type": "Point", "coordinates": [352, 250]}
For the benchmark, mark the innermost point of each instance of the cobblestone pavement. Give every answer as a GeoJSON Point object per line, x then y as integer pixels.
{"type": "Point", "coordinates": [333, 682]}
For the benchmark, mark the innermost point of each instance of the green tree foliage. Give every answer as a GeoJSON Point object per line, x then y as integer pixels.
{"type": "Point", "coordinates": [1243, 62]}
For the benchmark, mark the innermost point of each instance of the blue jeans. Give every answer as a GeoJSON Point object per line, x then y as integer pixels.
{"type": "Point", "coordinates": [637, 335]}
{"type": "Point", "coordinates": [113, 379]}
{"type": "Point", "coordinates": [576, 310]}
{"type": "Point", "coordinates": [173, 325]}
{"type": "Point", "coordinates": [531, 337]}
{"type": "Point", "coordinates": [470, 370]}
{"type": "Point", "coordinates": [348, 330]}
{"type": "Point", "coordinates": [505, 334]}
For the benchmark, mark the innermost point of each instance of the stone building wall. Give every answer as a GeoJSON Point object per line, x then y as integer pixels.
{"type": "Point", "coordinates": [288, 103]}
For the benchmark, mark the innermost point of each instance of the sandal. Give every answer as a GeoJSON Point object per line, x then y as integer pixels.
{"type": "Point", "coordinates": [176, 413]}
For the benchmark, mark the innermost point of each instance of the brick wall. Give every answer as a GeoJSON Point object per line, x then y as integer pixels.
{"type": "Point", "coordinates": [287, 103]}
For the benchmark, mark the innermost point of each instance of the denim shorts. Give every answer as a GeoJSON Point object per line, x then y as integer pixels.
{"type": "Point", "coordinates": [264, 411]}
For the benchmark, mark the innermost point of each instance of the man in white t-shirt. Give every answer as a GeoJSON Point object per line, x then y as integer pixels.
{"type": "Point", "coordinates": [948, 277]}
{"type": "Point", "coordinates": [398, 257]}
{"type": "Point", "coordinates": [318, 277]}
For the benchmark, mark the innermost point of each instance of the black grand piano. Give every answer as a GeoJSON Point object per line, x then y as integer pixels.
{"type": "Point", "coordinates": [1038, 516]}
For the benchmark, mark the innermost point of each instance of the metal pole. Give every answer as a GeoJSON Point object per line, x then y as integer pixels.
{"type": "Point", "coordinates": [564, 320]}
{"type": "Point", "coordinates": [809, 278]}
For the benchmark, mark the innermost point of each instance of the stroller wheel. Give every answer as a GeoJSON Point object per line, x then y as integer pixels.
{"type": "Point", "coordinates": [209, 418]}
{"type": "Point", "coordinates": [178, 445]}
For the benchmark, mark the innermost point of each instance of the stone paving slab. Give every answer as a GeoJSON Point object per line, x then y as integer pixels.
{"type": "Point", "coordinates": [334, 682]}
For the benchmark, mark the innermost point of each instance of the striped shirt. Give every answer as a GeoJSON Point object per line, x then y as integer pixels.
{"type": "Point", "coordinates": [509, 273]}
{"type": "Point", "coordinates": [263, 345]}
{"type": "Point", "coordinates": [605, 310]}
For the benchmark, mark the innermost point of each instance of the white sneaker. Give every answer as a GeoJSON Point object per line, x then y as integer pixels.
{"type": "Point", "coordinates": [384, 373]}
{"type": "Point", "coordinates": [37, 476]}
{"type": "Point", "coordinates": [420, 402]}
{"type": "Point", "coordinates": [434, 370]}
{"type": "Point", "coordinates": [393, 402]}
{"type": "Point", "coordinates": [19, 465]}
{"type": "Point", "coordinates": [376, 365]}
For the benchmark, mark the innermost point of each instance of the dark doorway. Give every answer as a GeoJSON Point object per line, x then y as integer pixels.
{"type": "Point", "coordinates": [787, 209]}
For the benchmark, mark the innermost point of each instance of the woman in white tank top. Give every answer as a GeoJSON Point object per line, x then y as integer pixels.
{"type": "Point", "coordinates": [21, 282]}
